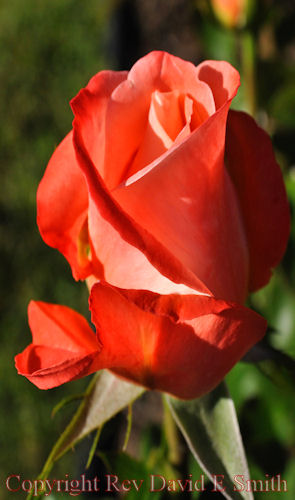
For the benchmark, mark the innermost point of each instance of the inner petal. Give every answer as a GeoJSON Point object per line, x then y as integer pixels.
{"type": "Point", "coordinates": [166, 115]}
{"type": "Point", "coordinates": [168, 120]}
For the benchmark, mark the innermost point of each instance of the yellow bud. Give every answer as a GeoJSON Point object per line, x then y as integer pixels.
{"type": "Point", "coordinates": [231, 13]}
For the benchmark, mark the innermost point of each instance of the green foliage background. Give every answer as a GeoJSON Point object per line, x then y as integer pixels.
{"type": "Point", "coordinates": [48, 50]}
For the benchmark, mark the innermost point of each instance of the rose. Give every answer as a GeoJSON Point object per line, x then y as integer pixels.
{"type": "Point", "coordinates": [129, 203]}
{"type": "Point", "coordinates": [180, 207]}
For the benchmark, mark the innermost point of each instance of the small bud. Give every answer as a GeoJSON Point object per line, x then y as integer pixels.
{"type": "Point", "coordinates": [232, 13]}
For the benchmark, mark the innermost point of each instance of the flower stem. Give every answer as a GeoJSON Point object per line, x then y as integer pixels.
{"type": "Point", "coordinates": [247, 54]}
{"type": "Point", "coordinates": [172, 436]}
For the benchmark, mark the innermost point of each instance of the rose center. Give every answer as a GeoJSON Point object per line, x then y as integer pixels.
{"type": "Point", "coordinates": [170, 121]}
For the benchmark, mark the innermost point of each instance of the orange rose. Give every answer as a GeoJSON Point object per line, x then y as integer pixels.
{"type": "Point", "coordinates": [178, 207]}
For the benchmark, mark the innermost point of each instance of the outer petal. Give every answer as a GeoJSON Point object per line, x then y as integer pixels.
{"type": "Point", "coordinates": [222, 79]}
{"type": "Point", "coordinates": [62, 203]}
{"type": "Point", "coordinates": [63, 347]}
{"type": "Point", "coordinates": [183, 345]}
{"type": "Point", "coordinates": [62, 197]}
{"type": "Point", "coordinates": [261, 191]}
{"type": "Point", "coordinates": [92, 104]}
{"type": "Point", "coordinates": [140, 262]}
{"type": "Point", "coordinates": [186, 200]}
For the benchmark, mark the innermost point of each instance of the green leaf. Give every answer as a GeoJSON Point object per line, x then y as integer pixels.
{"type": "Point", "coordinates": [105, 397]}
{"type": "Point", "coordinates": [210, 427]}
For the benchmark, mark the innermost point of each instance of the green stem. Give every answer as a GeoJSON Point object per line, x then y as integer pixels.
{"type": "Point", "coordinates": [94, 446]}
{"type": "Point", "coordinates": [129, 426]}
{"type": "Point", "coordinates": [172, 436]}
{"type": "Point", "coordinates": [247, 54]}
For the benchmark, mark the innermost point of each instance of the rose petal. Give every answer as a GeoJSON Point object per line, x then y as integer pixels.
{"type": "Point", "coordinates": [169, 120]}
{"type": "Point", "coordinates": [47, 367]}
{"type": "Point", "coordinates": [92, 103]}
{"type": "Point", "coordinates": [169, 114]}
{"type": "Point", "coordinates": [60, 327]}
{"type": "Point", "coordinates": [62, 203]}
{"type": "Point", "coordinates": [127, 111]}
{"type": "Point", "coordinates": [222, 78]}
{"type": "Point", "coordinates": [186, 200]}
{"type": "Point", "coordinates": [261, 191]}
{"type": "Point", "coordinates": [166, 343]}
{"type": "Point", "coordinates": [121, 229]}
{"type": "Point", "coordinates": [62, 197]}
{"type": "Point", "coordinates": [127, 254]}
{"type": "Point", "coordinates": [183, 345]}
{"type": "Point", "coordinates": [164, 72]}
{"type": "Point", "coordinates": [156, 140]}
{"type": "Point", "coordinates": [63, 347]}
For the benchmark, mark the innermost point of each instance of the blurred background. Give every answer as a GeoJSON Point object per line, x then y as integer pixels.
{"type": "Point", "coordinates": [49, 49]}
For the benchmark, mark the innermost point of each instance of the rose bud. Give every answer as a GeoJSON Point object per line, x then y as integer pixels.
{"type": "Point", "coordinates": [232, 13]}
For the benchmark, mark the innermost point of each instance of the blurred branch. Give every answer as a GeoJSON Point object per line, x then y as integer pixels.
{"type": "Point", "coordinates": [274, 364]}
